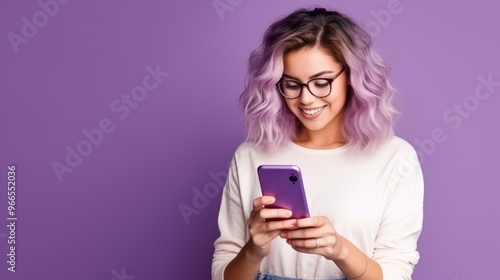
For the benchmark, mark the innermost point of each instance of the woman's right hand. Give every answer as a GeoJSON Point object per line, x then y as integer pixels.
{"type": "Point", "coordinates": [262, 232]}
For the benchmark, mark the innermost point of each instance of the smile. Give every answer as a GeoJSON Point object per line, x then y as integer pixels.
{"type": "Point", "coordinates": [312, 112]}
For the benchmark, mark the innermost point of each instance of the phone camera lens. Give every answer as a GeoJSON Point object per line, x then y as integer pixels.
{"type": "Point", "coordinates": [292, 179]}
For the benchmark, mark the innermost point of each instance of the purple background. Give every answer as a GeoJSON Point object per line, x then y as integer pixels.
{"type": "Point", "coordinates": [116, 215]}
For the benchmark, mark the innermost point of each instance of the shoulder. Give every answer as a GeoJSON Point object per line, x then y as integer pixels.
{"type": "Point", "coordinates": [252, 150]}
{"type": "Point", "coordinates": [394, 151]}
{"type": "Point", "coordinates": [246, 148]}
{"type": "Point", "coordinates": [250, 155]}
{"type": "Point", "coordinates": [396, 145]}
{"type": "Point", "coordinates": [403, 162]}
{"type": "Point", "coordinates": [245, 152]}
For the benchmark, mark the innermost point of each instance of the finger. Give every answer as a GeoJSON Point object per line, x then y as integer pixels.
{"type": "Point", "coordinates": [316, 221]}
{"type": "Point", "coordinates": [262, 201]}
{"type": "Point", "coordinates": [259, 204]}
{"type": "Point", "coordinates": [311, 243]}
{"type": "Point", "coordinates": [279, 225]}
{"type": "Point", "coordinates": [306, 250]}
{"type": "Point", "coordinates": [258, 225]}
{"type": "Point", "coordinates": [264, 238]}
{"type": "Point", "coordinates": [265, 232]}
{"type": "Point", "coordinates": [304, 233]}
{"type": "Point", "coordinates": [269, 213]}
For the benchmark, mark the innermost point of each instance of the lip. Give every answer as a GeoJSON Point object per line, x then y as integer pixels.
{"type": "Point", "coordinates": [310, 117]}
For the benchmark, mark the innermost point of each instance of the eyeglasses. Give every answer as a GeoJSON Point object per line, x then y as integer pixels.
{"type": "Point", "coordinates": [319, 87]}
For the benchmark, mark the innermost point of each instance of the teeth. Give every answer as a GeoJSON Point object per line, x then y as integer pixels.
{"type": "Point", "coordinates": [311, 112]}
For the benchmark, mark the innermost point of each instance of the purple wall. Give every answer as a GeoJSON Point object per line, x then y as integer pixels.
{"type": "Point", "coordinates": [118, 114]}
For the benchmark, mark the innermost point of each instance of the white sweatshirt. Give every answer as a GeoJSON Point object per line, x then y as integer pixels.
{"type": "Point", "coordinates": [375, 200]}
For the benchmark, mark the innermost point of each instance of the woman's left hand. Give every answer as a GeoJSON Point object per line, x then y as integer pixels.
{"type": "Point", "coordinates": [316, 235]}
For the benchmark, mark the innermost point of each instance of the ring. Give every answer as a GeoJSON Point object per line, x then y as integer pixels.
{"type": "Point", "coordinates": [317, 243]}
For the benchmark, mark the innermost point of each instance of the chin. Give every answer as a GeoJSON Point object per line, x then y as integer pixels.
{"type": "Point", "coordinates": [314, 126]}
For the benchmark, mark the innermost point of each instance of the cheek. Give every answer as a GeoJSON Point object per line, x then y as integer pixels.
{"type": "Point", "coordinates": [290, 104]}
{"type": "Point", "coordinates": [341, 97]}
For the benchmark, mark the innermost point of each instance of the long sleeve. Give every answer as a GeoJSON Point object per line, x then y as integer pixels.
{"type": "Point", "coordinates": [232, 225]}
{"type": "Point", "coordinates": [395, 247]}
{"type": "Point", "coordinates": [380, 212]}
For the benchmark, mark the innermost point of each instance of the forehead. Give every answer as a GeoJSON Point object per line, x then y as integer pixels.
{"type": "Point", "coordinates": [305, 62]}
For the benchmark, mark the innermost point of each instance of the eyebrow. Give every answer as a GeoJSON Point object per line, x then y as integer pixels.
{"type": "Point", "coordinates": [311, 77]}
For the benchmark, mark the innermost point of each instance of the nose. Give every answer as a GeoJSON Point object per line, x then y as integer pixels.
{"type": "Point", "coordinates": [306, 97]}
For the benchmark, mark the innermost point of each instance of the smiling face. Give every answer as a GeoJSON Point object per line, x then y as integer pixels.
{"type": "Point", "coordinates": [319, 116]}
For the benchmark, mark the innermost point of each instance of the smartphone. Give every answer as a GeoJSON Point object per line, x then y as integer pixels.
{"type": "Point", "coordinates": [284, 182]}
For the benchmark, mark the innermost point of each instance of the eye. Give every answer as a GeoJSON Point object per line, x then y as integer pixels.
{"type": "Point", "coordinates": [291, 85]}
{"type": "Point", "coordinates": [321, 83]}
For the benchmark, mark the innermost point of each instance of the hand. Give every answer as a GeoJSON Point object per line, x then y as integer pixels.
{"type": "Point", "coordinates": [316, 235]}
{"type": "Point", "coordinates": [262, 232]}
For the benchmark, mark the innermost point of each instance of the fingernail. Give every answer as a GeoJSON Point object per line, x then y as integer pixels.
{"type": "Point", "coordinates": [288, 213]}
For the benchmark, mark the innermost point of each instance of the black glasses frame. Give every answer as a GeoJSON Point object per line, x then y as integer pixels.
{"type": "Point", "coordinates": [330, 81]}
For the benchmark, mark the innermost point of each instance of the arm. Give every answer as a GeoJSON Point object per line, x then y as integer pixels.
{"type": "Point", "coordinates": [246, 264]}
{"type": "Point", "coordinates": [231, 222]}
{"type": "Point", "coordinates": [395, 247]}
{"type": "Point", "coordinates": [316, 235]}
{"type": "Point", "coordinates": [354, 263]}
{"type": "Point", "coordinates": [395, 254]}
{"type": "Point", "coordinates": [235, 258]}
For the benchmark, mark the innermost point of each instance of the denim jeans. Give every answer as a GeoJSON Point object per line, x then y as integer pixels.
{"type": "Point", "coordinates": [265, 276]}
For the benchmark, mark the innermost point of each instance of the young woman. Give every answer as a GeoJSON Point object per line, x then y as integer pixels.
{"type": "Point", "coordinates": [318, 96]}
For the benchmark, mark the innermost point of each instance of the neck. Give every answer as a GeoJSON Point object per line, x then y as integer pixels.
{"type": "Point", "coordinates": [328, 137]}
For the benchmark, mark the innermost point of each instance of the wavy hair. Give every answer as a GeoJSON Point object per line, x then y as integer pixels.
{"type": "Point", "coordinates": [370, 111]}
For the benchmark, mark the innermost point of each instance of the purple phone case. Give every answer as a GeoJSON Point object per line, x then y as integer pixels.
{"type": "Point", "coordinates": [277, 181]}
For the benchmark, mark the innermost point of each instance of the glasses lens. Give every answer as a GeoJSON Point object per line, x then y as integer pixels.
{"type": "Point", "coordinates": [289, 88]}
{"type": "Point", "coordinates": [320, 87]}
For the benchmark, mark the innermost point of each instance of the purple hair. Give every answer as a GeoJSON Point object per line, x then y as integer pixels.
{"type": "Point", "coordinates": [369, 113]}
